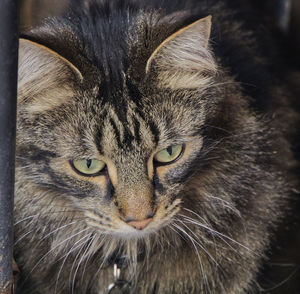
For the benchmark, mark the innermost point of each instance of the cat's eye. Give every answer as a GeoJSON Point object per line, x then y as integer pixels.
{"type": "Point", "coordinates": [169, 155]}
{"type": "Point", "coordinates": [88, 167]}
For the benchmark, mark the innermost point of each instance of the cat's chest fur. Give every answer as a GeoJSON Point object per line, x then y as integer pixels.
{"type": "Point", "coordinates": [140, 133]}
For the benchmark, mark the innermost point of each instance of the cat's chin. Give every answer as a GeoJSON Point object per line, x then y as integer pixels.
{"type": "Point", "coordinates": [133, 234]}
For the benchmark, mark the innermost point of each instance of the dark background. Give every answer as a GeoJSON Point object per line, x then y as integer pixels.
{"type": "Point", "coordinates": [281, 16]}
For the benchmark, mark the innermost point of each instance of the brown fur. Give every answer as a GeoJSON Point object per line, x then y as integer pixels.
{"type": "Point", "coordinates": [214, 209]}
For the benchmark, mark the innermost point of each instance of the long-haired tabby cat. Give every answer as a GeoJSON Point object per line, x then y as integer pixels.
{"type": "Point", "coordinates": [153, 135]}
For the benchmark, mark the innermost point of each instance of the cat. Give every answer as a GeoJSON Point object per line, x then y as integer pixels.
{"type": "Point", "coordinates": [153, 142]}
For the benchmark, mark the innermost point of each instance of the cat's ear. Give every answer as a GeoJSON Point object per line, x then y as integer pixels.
{"type": "Point", "coordinates": [184, 59]}
{"type": "Point", "coordinates": [44, 77]}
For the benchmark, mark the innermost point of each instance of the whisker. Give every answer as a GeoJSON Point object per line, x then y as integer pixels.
{"type": "Point", "coordinates": [197, 253]}
{"type": "Point", "coordinates": [225, 203]}
{"type": "Point", "coordinates": [190, 220]}
{"type": "Point", "coordinates": [198, 243]}
{"type": "Point", "coordinates": [65, 257]}
{"type": "Point", "coordinates": [282, 282]}
{"type": "Point", "coordinates": [212, 232]}
{"type": "Point", "coordinates": [57, 229]}
{"type": "Point", "coordinates": [104, 259]}
{"type": "Point", "coordinates": [24, 219]}
{"type": "Point", "coordinates": [49, 252]}
{"type": "Point", "coordinates": [87, 255]}
{"type": "Point", "coordinates": [73, 265]}
{"type": "Point", "coordinates": [21, 238]}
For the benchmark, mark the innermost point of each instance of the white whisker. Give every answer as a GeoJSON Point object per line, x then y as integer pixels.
{"type": "Point", "coordinates": [21, 238]}
{"type": "Point", "coordinates": [78, 265]}
{"type": "Point", "coordinates": [49, 252]}
{"type": "Point", "coordinates": [197, 253]}
{"type": "Point", "coordinates": [24, 219]}
{"type": "Point", "coordinates": [198, 243]}
{"type": "Point", "coordinates": [88, 256]}
{"type": "Point", "coordinates": [190, 220]}
{"type": "Point", "coordinates": [57, 229]}
{"type": "Point", "coordinates": [65, 257]}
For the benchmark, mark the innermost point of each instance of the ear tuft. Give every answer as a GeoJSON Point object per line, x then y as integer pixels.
{"type": "Point", "coordinates": [184, 59]}
{"type": "Point", "coordinates": [45, 77]}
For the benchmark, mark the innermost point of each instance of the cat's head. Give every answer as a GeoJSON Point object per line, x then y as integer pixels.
{"type": "Point", "coordinates": [118, 151]}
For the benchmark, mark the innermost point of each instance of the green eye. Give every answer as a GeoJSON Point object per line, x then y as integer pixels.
{"type": "Point", "coordinates": [88, 167]}
{"type": "Point", "coordinates": [169, 154]}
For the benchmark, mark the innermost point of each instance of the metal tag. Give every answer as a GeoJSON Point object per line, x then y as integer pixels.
{"type": "Point", "coordinates": [119, 287]}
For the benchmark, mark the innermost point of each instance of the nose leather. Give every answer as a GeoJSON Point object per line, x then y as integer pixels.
{"type": "Point", "coordinates": [140, 224]}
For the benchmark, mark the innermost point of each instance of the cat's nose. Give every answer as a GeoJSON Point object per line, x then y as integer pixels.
{"type": "Point", "coordinates": [139, 224]}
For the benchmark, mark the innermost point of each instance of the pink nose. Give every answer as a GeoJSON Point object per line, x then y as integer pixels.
{"type": "Point", "coordinates": [140, 225]}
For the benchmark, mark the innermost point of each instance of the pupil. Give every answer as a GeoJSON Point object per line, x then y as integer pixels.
{"type": "Point", "coordinates": [88, 162]}
{"type": "Point", "coordinates": [170, 150]}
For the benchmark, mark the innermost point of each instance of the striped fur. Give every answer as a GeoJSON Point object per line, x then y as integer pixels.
{"type": "Point", "coordinates": [119, 81]}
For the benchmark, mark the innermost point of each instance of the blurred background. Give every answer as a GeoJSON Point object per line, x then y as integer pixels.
{"type": "Point", "coordinates": [282, 18]}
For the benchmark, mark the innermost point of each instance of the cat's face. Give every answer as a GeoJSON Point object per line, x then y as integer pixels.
{"type": "Point", "coordinates": [119, 159]}
{"type": "Point", "coordinates": [122, 171]}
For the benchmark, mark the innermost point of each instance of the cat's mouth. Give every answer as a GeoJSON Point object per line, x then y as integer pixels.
{"type": "Point", "coordinates": [140, 224]}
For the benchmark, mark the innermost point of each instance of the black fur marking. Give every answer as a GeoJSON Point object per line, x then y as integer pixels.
{"type": "Point", "coordinates": [59, 181]}
{"type": "Point", "coordinates": [134, 93]}
{"type": "Point", "coordinates": [98, 139]}
{"type": "Point", "coordinates": [158, 186]}
{"type": "Point", "coordinates": [98, 213]}
{"type": "Point", "coordinates": [155, 288]}
{"type": "Point", "coordinates": [117, 132]}
{"type": "Point", "coordinates": [37, 154]}
{"type": "Point", "coordinates": [137, 130]}
{"type": "Point", "coordinates": [110, 190]}
{"type": "Point", "coordinates": [98, 133]}
{"type": "Point", "coordinates": [155, 131]}
{"type": "Point", "coordinates": [128, 137]}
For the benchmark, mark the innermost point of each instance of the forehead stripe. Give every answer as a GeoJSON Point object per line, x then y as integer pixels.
{"type": "Point", "coordinates": [137, 130]}
{"type": "Point", "coordinates": [98, 138]}
{"type": "Point", "coordinates": [155, 131]}
{"type": "Point", "coordinates": [117, 132]}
